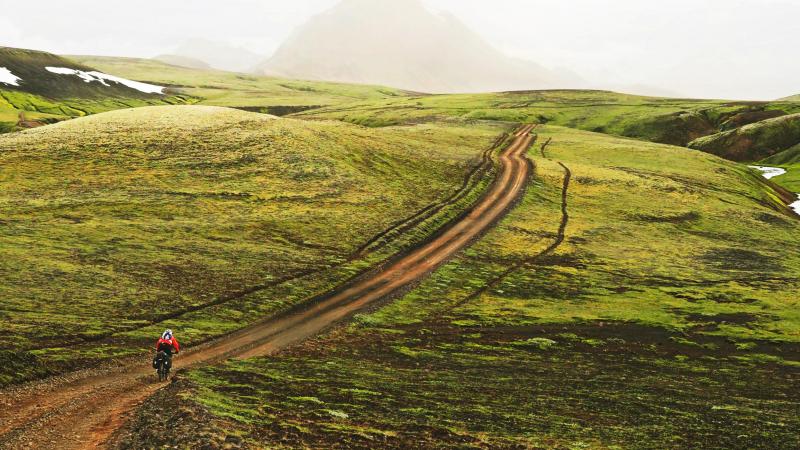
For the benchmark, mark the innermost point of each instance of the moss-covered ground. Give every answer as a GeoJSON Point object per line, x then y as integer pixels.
{"type": "Point", "coordinates": [641, 296]}
{"type": "Point", "coordinates": [663, 120]}
{"type": "Point", "coordinates": [43, 97]}
{"type": "Point", "coordinates": [789, 160]}
{"type": "Point", "coordinates": [272, 95]}
{"type": "Point", "coordinates": [204, 219]}
{"type": "Point", "coordinates": [44, 111]}
{"type": "Point", "coordinates": [709, 125]}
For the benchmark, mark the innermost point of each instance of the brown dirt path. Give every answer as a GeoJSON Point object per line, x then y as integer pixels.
{"type": "Point", "coordinates": [84, 410]}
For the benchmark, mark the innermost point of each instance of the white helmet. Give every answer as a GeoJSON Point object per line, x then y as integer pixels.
{"type": "Point", "coordinates": [167, 334]}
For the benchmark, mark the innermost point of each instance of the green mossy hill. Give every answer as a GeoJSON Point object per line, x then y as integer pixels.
{"type": "Point", "coordinates": [753, 142]}
{"type": "Point", "coordinates": [662, 120]}
{"type": "Point", "coordinates": [639, 296]}
{"type": "Point", "coordinates": [43, 97]}
{"type": "Point", "coordinates": [787, 157]}
{"type": "Point", "coordinates": [29, 66]}
{"type": "Point", "coordinates": [238, 90]}
{"type": "Point", "coordinates": [204, 219]}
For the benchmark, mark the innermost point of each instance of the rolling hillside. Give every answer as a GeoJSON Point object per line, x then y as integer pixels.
{"type": "Point", "coordinates": [755, 141]}
{"type": "Point", "coordinates": [786, 157]}
{"type": "Point", "coordinates": [55, 77]}
{"type": "Point", "coordinates": [639, 294]}
{"type": "Point", "coordinates": [204, 219]}
{"type": "Point", "coordinates": [37, 88]}
{"type": "Point", "coordinates": [634, 289]}
{"type": "Point", "coordinates": [662, 120]}
{"type": "Point", "coordinates": [670, 121]}
{"type": "Point", "coordinates": [272, 95]}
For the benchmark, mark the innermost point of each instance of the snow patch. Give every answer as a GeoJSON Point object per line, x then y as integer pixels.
{"type": "Point", "coordinates": [770, 172]}
{"type": "Point", "coordinates": [6, 77]}
{"type": "Point", "coordinates": [94, 75]}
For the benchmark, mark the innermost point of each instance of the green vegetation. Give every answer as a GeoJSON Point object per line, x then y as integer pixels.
{"type": "Point", "coordinates": [30, 66]}
{"type": "Point", "coordinates": [640, 295]}
{"type": "Point", "coordinates": [755, 141]}
{"type": "Point", "coordinates": [709, 125]}
{"type": "Point", "coordinates": [787, 157]}
{"type": "Point", "coordinates": [662, 120]}
{"type": "Point", "coordinates": [44, 97]}
{"type": "Point", "coordinates": [666, 317]}
{"type": "Point", "coordinates": [791, 180]}
{"type": "Point", "coordinates": [203, 219]}
{"type": "Point", "coordinates": [790, 161]}
{"type": "Point", "coordinates": [240, 90]}
{"type": "Point", "coordinates": [43, 111]}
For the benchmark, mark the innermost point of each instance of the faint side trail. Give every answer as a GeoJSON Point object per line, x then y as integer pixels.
{"type": "Point", "coordinates": [85, 411]}
{"type": "Point", "coordinates": [561, 235]}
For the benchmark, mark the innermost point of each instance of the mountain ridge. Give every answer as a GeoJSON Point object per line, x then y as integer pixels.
{"type": "Point", "coordinates": [370, 42]}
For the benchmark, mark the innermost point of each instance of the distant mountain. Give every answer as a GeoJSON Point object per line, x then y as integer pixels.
{"type": "Point", "coordinates": [183, 61]}
{"type": "Point", "coordinates": [219, 55]}
{"type": "Point", "coordinates": [55, 77]}
{"type": "Point", "coordinates": [793, 98]}
{"type": "Point", "coordinates": [379, 42]}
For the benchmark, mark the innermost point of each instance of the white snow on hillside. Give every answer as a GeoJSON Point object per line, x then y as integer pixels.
{"type": "Point", "coordinates": [6, 77]}
{"type": "Point", "coordinates": [103, 77]}
{"type": "Point", "coordinates": [770, 172]}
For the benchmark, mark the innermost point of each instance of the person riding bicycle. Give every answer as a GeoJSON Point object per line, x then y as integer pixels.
{"type": "Point", "coordinates": [166, 344]}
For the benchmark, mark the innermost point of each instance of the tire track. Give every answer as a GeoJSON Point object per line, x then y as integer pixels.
{"type": "Point", "coordinates": [470, 181]}
{"type": "Point", "coordinates": [396, 229]}
{"type": "Point", "coordinates": [532, 260]}
{"type": "Point", "coordinates": [84, 412]}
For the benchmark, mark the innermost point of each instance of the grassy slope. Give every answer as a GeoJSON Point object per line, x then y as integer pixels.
{"type": "Point", "coordinates": [240, 90]}
{"type": "Point", "coordinates": [30, 66]}
{"type": "Point", "coordinates": [667, 318]}
{"type": "Point", "coordinates": [755, 141]}
{"type": "Point", "coordinates": [790, 160]}
{"type": "Point", "coordinates": [579, 344]}
{"type": "Point", "coordinates": [791, 180]}
{"type": "Point", "coordinates": [671, 121]}
{"type": "Point", "coordinates": [115, 221]}
{"type": "Point", "coordinates": [45, 97]}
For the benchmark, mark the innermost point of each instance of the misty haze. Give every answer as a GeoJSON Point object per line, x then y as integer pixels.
{"type": "Point", "coordinates": [400, 224]}
{"type": "Point", "coordinates": [738, 49]}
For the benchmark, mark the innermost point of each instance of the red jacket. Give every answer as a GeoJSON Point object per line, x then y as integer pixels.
{"type": "Point", "coordinates": [171, 342]}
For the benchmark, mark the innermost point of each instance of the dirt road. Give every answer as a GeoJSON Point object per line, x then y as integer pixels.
{"type": "Point", "coordinates": [83, 411]}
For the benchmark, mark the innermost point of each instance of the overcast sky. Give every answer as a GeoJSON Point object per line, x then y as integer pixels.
{"type": "Point", "coordinates": [744, 49]}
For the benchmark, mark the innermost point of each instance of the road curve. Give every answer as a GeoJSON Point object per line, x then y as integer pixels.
{"type": "Point", "coordinates": [85, 411]}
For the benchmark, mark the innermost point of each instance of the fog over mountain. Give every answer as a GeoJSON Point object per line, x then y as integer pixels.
{"type": "Point", "coordinates": [217, 55]}
{"type": "Point", "coordinates": [735, 49]}
{"type": "Point", "coordinates": [403, 45]}
{"type": "Point", "coordinates": [183, 61]}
